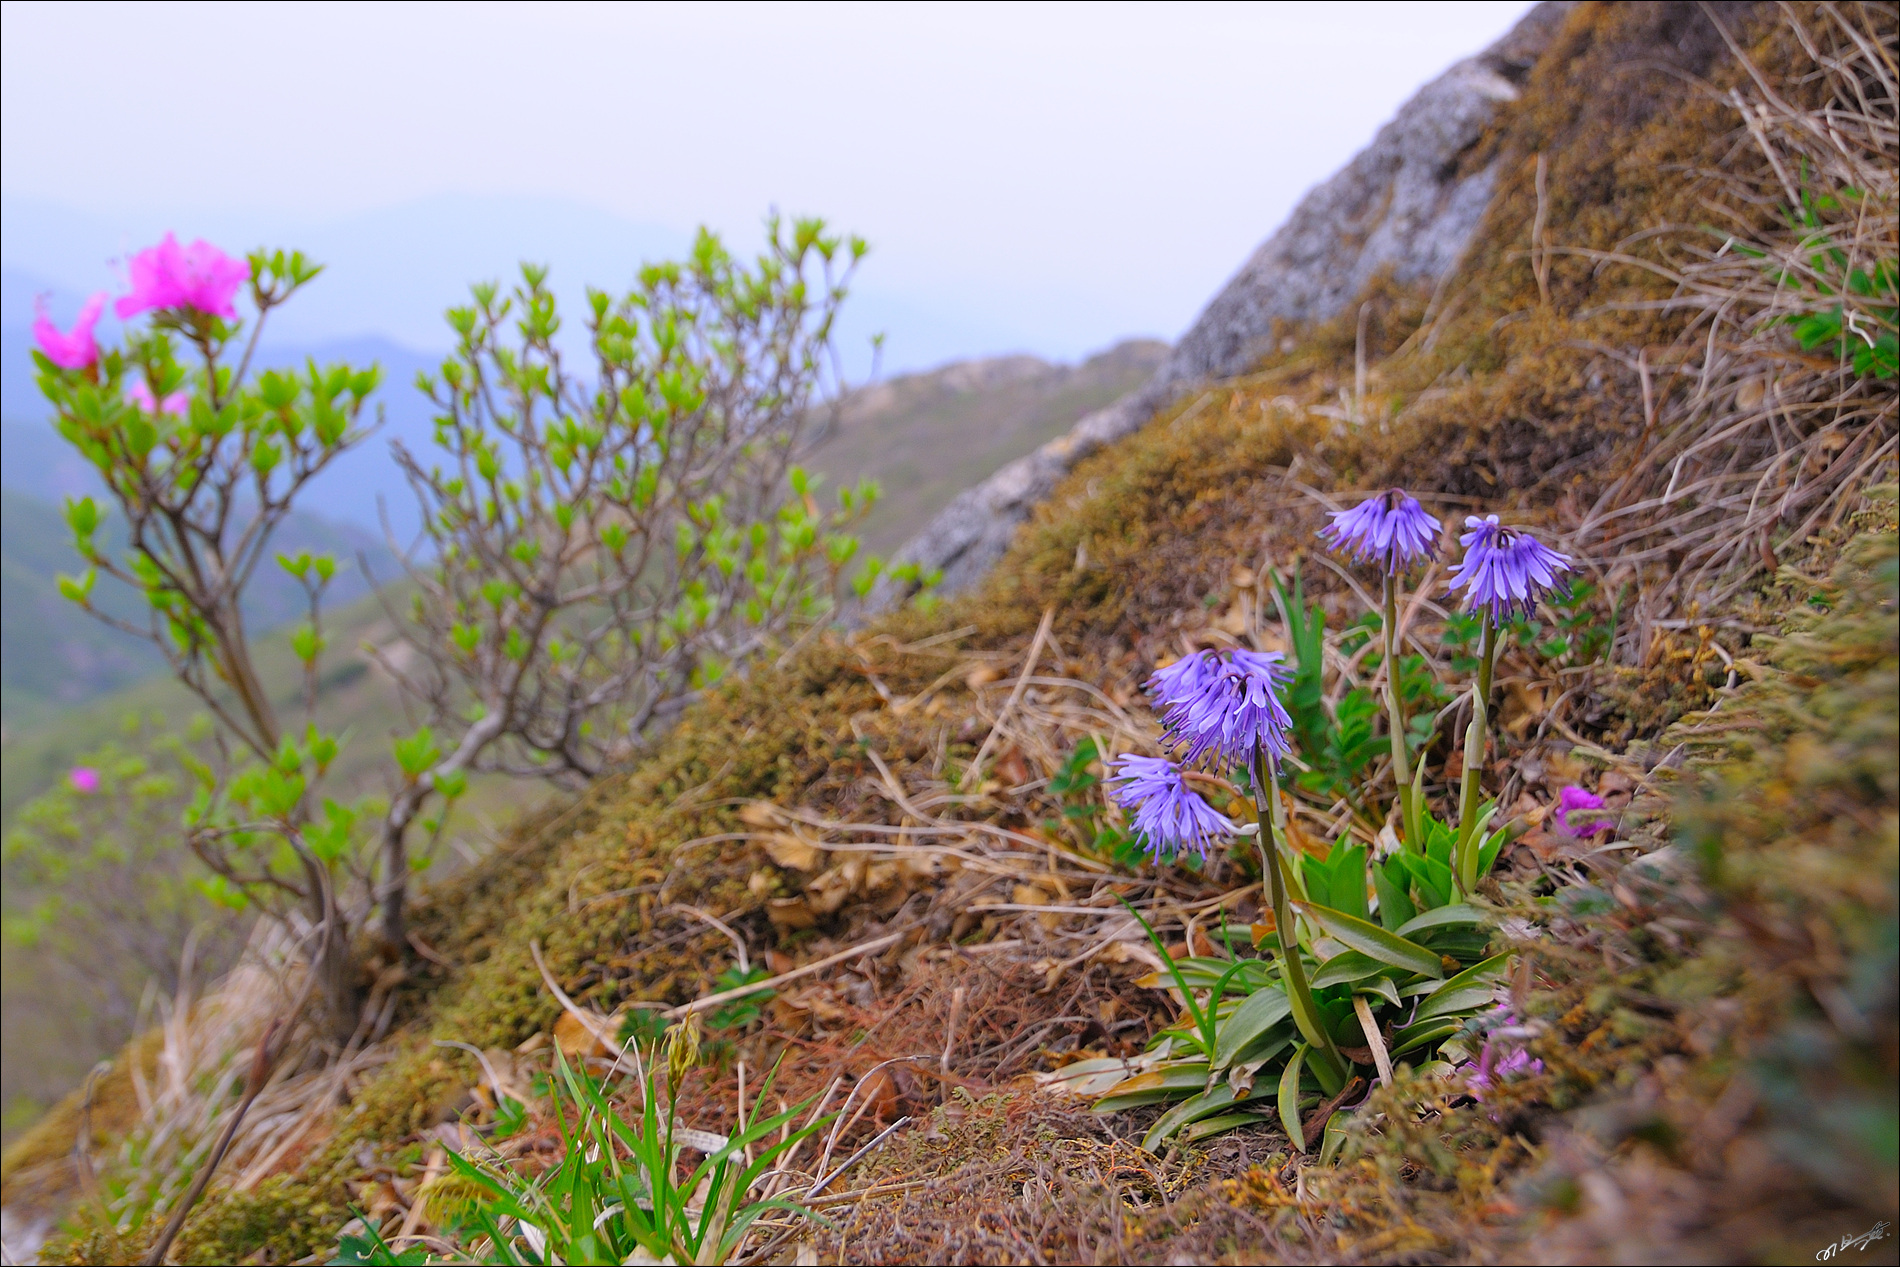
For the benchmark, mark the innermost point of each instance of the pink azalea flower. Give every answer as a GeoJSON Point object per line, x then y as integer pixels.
{"type": "Point", "coordinates": [84, 779]}
{"type": "Point", "coordinates": [172, 276]}
{"type": "Point", "coordinates": [141, 395]}
{"type": "Point", "coordinates": [76, 349]}
{"type": "Point", "coordinates": [1575, 798]}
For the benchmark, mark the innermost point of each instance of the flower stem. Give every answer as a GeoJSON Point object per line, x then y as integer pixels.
{"type": "Point", "coordinates": [1274, 858]}
{"type": "Point", "coordinates": [1475, 735]}
{"type": "Point", "coordinates": [1395, 717]}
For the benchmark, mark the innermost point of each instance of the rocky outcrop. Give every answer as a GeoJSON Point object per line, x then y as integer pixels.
{"type": "Point", "coordinates": [1401, 204]}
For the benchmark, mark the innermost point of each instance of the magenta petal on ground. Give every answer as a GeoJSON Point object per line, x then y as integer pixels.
{"type": "Point", "coordinates": [1574, 798]}
{"type": "Point", "coordinates": [74, 349]}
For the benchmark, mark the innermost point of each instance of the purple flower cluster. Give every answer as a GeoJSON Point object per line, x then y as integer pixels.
{"type": "Point", "coordinates": [1495, 1063]}
{"type": "Point", "coordinates": [1169, 814]}
{"type": "Point", "coordinates": [1505, 570]}
{"type": "Point", "coordinates": [1391, 528]}
{"type": "Point", "coordinates": [1222, 704]}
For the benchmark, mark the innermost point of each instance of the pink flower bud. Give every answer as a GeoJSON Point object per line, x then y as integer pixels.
{"type": "Point", "coordinates": [84, 779]}
{"type": "Point", "coordinates": [140, 394]}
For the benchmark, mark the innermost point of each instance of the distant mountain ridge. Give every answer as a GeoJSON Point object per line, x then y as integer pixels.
{"type": "Point", "coordinates": [52, 654]}
{"type": "Point", "coordinates": [926, 437]}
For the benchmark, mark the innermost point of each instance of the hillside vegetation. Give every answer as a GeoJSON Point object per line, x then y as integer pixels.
{"type": "Point", "coordinates": [926, 437]}
{"type": "Point", "coordinates": [1703, 995]}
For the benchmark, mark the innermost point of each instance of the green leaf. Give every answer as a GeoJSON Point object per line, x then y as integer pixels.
{"type": "Point", "coordinates": [1206, 1104]}
{"type": "Point", "coordinates": [78, 589]}
{"type": "Point", "coordinates": [1444, 1003]}
{"type": "Point", "coordinates": [1350, 965]}
{"type": "Point", "coordinates": [1334, 1137]}
{"type": "Point", "coordinates": [1470, 988]}
{"type": "Point", "coordinates": [1491, 967]}
{"type": "Point", "coordinates": [1421, 1034]}
{"type": "Point", "coordinates": [1257, 1013]}
{"type": "Point", "coordinates": [417, 753]}
{"type": "Point", "coordinates": [1372, 940]}
{"type": "Point", "coordinates": [1384, 987]}
{"type": "Point", "coordinates": [1209, 1127]}
{"type": "Point", "coordinates": [1440, 917]}
{"type": "Point", "coordinates": [1289, 1098]}
{"type": "Point", "coordinates": [1154, 1086]}
{"type": "Point", "coordinates": [1395, 904]}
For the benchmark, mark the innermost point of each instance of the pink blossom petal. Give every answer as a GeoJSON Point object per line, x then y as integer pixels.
{"type": "Point", "coordinates": [1574, 798]}
{"type": "Point", "coordinates": [172, 276]}
{"type": "Point", "coordinates": [74, 349]}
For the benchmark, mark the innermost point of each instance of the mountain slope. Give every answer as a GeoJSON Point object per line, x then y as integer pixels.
{"type": "Point", "coordinates": [52, 655]}
{"type": "Point", "coordinates": [927, 437]}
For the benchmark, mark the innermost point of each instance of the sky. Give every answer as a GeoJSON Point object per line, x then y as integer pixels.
{"type": "Point", "coordinates": [1041, 178]}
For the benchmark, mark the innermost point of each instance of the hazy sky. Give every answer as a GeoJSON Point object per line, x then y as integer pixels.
{"type": "Point", "coordinates": [1069, 172]}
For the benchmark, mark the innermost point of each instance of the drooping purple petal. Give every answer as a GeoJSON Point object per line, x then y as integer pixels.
{"type": "Point", "coordinates": [1170, 815]}
{"type": "Point", "coordinates": [1505, 571]}
{"type": "Point", "coordinates": [1392, 529]}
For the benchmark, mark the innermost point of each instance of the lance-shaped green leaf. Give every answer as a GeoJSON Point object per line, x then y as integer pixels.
{"type": "Point", "coordinates": [1370, 939]}
{"type": "Point", "coordinates": [1350, 965]}
{"type": "Point", "coordinates": [1257, 1013]}
{"type": "Point", "coordinates": [1440, 917]}
{"type": "Point", "coordinates": [1471, 988]}
{"type": "Point", "coordinates": [1334, 1137]}
{"type": "Point", "coordinates": [1391, 881]}
{"type": "Point", "coordinates": [1421, 1034]}
{"type": "Point", "coordinates": [1289, 1098]}
{"type": "Point", "coordinates": [1381, 986]}
{"type": "Point", "coordinates": [1214, 1100]}
{"type": "Point", "coordinates": [1209, 1127]}
{"type": "Point", "coordinates": [1154, 1086]}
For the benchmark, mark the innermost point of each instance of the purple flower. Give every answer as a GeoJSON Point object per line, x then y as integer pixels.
{"type": "Point", "coordinates": [1169, 814]}
{"type": "Point", "coordinates": [1575, 798]}
{"type": "Point", "coordinates": [84, 779]}
{"type": "Point", "coordinates": [1494, 1063]}
{"type": "Point", "coordinates": [1493, 1069]}
{"type": "Point", "coordinates": [1391, 528]}
{"type": "Point", "coordinates": [1223, 703]}
{"type": "Point", "coordinates": [1505, 570]}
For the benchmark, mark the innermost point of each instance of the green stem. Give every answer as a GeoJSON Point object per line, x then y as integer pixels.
{"type": "Point", "coordinates": [1275, 859]}
{"type": "Point", "coordinates": [1475, 736]}
{"type": "Point", "coordinates": [1395, 717]}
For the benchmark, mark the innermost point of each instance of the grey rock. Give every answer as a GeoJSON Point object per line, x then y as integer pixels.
{"type": "Point", "coordinates": [1400, 204]}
